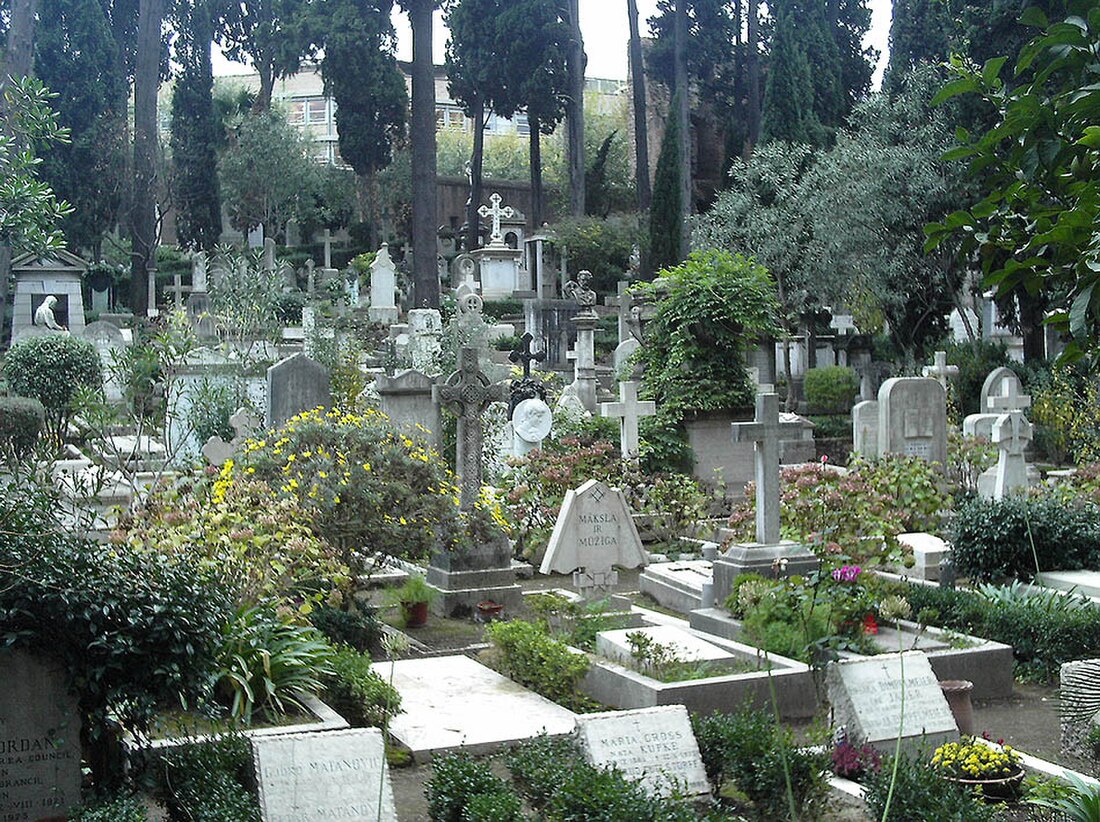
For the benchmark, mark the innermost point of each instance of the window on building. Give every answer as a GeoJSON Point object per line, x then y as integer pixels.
{"type": "Point", "coordinates": [316, 111]}
{"type": "Point", "coordinates": [297, 112]}
{"type": "Point", "coordinates": [523, 128]}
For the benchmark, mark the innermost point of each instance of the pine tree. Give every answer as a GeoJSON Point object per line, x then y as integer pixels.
{"type": "Point", "coordinates": [195, 132]}
{"type": "Point", "coordinates": [667, 211]}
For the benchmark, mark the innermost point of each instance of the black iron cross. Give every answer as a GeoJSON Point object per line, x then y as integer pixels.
{"type": "Point", "coordinates": [524, 355]}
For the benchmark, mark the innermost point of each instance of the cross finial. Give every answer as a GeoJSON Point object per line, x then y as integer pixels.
{"type": "Point", "coordinates": [1009, 399]}
{"type": "Point", "coordinates": [765, 432]}
{"type": "Point", "coordinates": [628, 410]}
{"type": "Point", "coordinates": [940, 370]}
{"type": "Point", "coordinates": [496, 237]}
{"type": "Point", "coordinates": [523, 354]}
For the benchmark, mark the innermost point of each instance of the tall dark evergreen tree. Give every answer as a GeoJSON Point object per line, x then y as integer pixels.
{"type": "Point", "coordinates": [195, 131]}
{"type": "Point", "coordinates": [641, 127]}
{"type": "Point", "coordinates": [143, 205]}
{"type": "Point", "coordinates": [76, 56]}
{"type": "Point", "coordinates": [576, 62]}
{"type": "Point", "coordinates": [920, 32]}
{"type": "Point", "coordinates": [666, 215]}
{"type": "Point", "coordinates": [788, 106]}
{"type": "Point", "coordinates": [361, 73]}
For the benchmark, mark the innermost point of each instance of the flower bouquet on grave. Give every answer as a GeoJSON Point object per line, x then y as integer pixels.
{"type": "Point", "coordinates": [995, 771]}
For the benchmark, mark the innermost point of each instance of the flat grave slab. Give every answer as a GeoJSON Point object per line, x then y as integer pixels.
{"type": "Point", "coordinates": [615, 645]}
{"type": "Point", "coordinates": [677, 585]}
{"type": "Point", "coordinates": [453, 702]}
{"type": "Point", "coordinates": [330, 775]}
{"type": "Point", "coordinates": [1086, 583]}
{"type": "Point", "coordinates": [655, 745]}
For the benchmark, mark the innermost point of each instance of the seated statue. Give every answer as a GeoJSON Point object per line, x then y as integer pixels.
{"type": "Point", "coordinates": [44, 317]}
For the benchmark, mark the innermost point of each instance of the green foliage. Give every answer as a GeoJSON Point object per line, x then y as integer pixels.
{"type": "Point", "coordinates": [1019, 536]}
{"type": "Point", "coordinates": [602, 246]}
{"type": "Point", "coordinates": [831, 426]}
{"type": "Point", "coordinates": [975, 359]}
{"type": "Point", "coordinates": [268, 665]}
{"type": "Point", "coordinates": [539, 765]}
{"type": "Point", "coordinates": [357, 693]}
{"type": "Point", "coordinates": [967, 458]}
{"type": "Point", "coordinates": [110, 809]}
{"type": "Point", "coordinates": [207, 781]}
{"type": "Point", "coordinates": [245, 302]}
{"type": "Point", "coordinates": [457, 779]}
{"type": "Point", "coordinates": [528, 654]}
{"type": "Point", "coordinates": [666, 213]}
{"type": "Point", "coordinates": [708, 311]}
{"type": "Point", "coordinates": [920, 794]}
{"type": "Point", "coordinates": [360, 629]}
{"type": "Point", "coordinates": [752, 753]}
{"type": "Point", "coordinates": [788, 109]}
{"type": "Point", "coordinates": [1066, 411]}
{"type": "Point", "coordinates": [831, 389]}
{"type": "Point", "coordinates": [132, 629]}
{"type": "Point", "coordinates": [500, 806]}
{"type": "Point", "coordinates": [215, 401]}
{"type": "Point", "coordinates": [1033, 230]}
{"type": "Point", "coordinates": [414, 589]}
{"type": "Point", "coordinates": [21, 421]}
{"type": "Point", "coordinates": [53, 369]}
{"type": "Point", "coordinates": [1082, 804]}
{"type": "Point", "coordinates": [1044, 632]}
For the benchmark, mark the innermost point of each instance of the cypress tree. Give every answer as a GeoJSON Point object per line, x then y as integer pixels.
{"type": "Point", "coordinates": [667, 212]}
{"type": "Point", "coordinates": [194, 134]}
{"type": "Point", "coordinates": [788, 109]}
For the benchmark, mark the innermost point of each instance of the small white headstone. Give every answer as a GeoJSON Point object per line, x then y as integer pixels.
{"type": "Point", "coordinates": [1012, 433]}
{"type": "Point", "coordinates": [653, 745]}
{"type": "Point", "coordinates": [865, 428]}
{"type": "Point", "coordinates": [383, 284]}
{"type": "Point", "coordinates": [867, 701]}
{"type": "Point", "coordinates": [331, 775]}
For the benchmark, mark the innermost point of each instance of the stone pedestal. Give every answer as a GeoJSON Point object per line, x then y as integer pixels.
{"type": "Point", "coordinates": [499, 271]}
{"type": "Point", "coordinates": [782, 559]}
{"type": "Point", "coordinates": [466, 578]}
{"type": "Point", "coordinates": [586, 360]}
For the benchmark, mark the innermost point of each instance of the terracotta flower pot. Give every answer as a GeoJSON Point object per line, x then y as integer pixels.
{"type": "Point", "coordinates": [958, 692]}
{"type": "Point", "coordinates": [416, 614]}
{"type": "Point", "coordinates": [488, 610]}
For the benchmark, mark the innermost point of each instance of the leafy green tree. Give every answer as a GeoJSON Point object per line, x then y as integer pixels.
{"type": "Point", "coordinates": [667, 212]}
{"type": "Point", "coordinates": [77, 57]}
{"type": "Point", "coordinates": [264, 171]}
{"type": "Point", "coordinates": [195, 132]}
{"type": "Point", "coordinates": [360, 71]}
{"type": "Point", "coordinates": [271, 34]}
{"type": "Point", "coordinates": [1035, 229]}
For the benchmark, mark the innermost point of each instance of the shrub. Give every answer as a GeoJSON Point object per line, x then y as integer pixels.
{"type": "Point", "coordinates": [213, 403]}
{"type": "Point", "coordinates": [113, 809]}
{"type": "Point", "coordinates": [206, 782]}
{"type": "Point", "coordinates": [21, 421]}
{"type": "Point", "coordinates": [456, 780]}
{"type": "Point", "coordinates": [533, 658]}
{"type": "Point", "coordinates": [975, 359]}
{"type": "Point", "coordinates": [539, 765]}
{"type": "Point", "coordinates": [1065, 410]}
{"type": "Point", "coordinates": [831, 389]}
{"type": "Point", "coordinates": [360, 629]}
{"type": "Point", "coordinates": [832, 426]}
{"type": "Point", "coordinates": [359, 694]}
{"type": "Point", "coordinates": [599, 795]}
{"type": "Point", "coordinates": [1018, 536]}
{"type": "Point", "coordinates": [53, 369]}
{"type": "Point", "coordinates": [920, 794]}
{"type": "Point", "coordinates": [268, 665]}
{"type": "Point", "coordinates": [602, 246]}
{"type": "Point", "coordinates": [501, 806]}
{"type": "Point", "coordinates": [967, 458]}
{"type": "Point", "coordinates": [753, 751]}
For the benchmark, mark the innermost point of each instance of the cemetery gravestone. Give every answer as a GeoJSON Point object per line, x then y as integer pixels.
{"type": "Point", "coordinates": [217, 451]}
{"type": "Point", "coordinates": [912, 418]}
{"type": "Point", "coordinates": [39, 740]}
{"type": "Point", "coordinates": [57, 275]}
{"type": "Point", "coordinates": [940, 371]}
{"type": "Point", "coordinates": [109, 343]}
{"type": "Point", "coordinates": [498, 263]}
{"type": "Point", "coordinates": [1003, 382]}
{"type": "Point", "coordinates": [875, 699]}
{"type": "Point", "coordinates": [1012, 433]}
{"type": "Point", "coordinates": [406, 399]}
{"type": "Point", "coordinates": [330, 775]}
{"type": "Point", "coordinates": [294, 385]}
{"type": "Point", "coordinates": [585, 322]}
{"type": "Point", "coordinates": [383, 283]}
{"type": "Point", "coordinates": [653, 745]}
{"type": "Point", "coordinates": [628, 410]}
{"type": "Point", "coordinates": [865, 428]}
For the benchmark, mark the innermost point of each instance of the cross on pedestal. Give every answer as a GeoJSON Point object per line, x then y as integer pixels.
{"type": "Point", "coordinates": [524, 355]}
{"type": "Point", "coordinates": [469, 392]}
{"type": "Point", "coordinates": [765, 432]}
{"type": "Point", "coordinates": [496, 237]}
{"type": "Point", "coordinates": [940, 370]}
{"type": "Point", "coordinates": [628, 410]}
{"type": "Point", "coordinates": [1012, 433]}
{"type": "Point", "coordinates": [1010, 399]}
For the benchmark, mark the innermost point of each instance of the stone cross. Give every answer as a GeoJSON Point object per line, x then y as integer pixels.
{"type": "Point", "coordinates": [469, 392]}
{"type": "Point", "coordinates": [496, 237]}
{"type": "Point", "coordinates": [177, 290]}
{"type": "Point", "coordinates": [198, 273]}
{"type": "Point", "coordinates": [1010, 399]}
{"type": "Point", "coordinates": [328, 248]}
{"type": "Point", "coordinates": [940, 370]}
{"type": "Point", "coordinates": [1011, 432]}
{"type": "Point", "coordinates": [524, 355]}
{"type": "Point", "coordinates": [217, 451]}
{"type": "Point", "coordinates": [628, 410]}
{"type": "Point", "coordinates": [764, 432]}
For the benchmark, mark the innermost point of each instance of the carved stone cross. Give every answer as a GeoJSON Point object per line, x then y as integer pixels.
{"type": "Point", "coordinates": [1010, 399]}
{"type": "Point", "coordinates": [469, 392]}
{"type": "Point", "coordinates": [765, 432]}
{"type": "Point", "coordinates": [1012, 433]}
{"type": "Point", "coordinates": [524, 355]}
{"type": "Point", "coordinates": [628, 410]}
{"type": "Point", "coordinates": [940, 370]}
{"type": "Point", "coordinates": [496, 237]}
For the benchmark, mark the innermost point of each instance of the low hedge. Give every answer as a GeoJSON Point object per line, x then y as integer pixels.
{"type": "Point", "coordinates": [21, 421]}
{"type": "Point", "coordinates": [831, 389]}
{"type": "Point", "coordinates": [357, 692]}
{"type": "Point", "coordinates": [533, 658]}
{"type": "Point", "coordinates": [1043, 630]}
{"type": "Point", "coordinates": [1016, 536]}
{"type": "Point", "coordinates": [464, 789]}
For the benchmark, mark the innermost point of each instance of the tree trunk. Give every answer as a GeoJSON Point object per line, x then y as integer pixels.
{"type": "Point", "coordinates": [536, 171]}
{"type": "Point", "coordinates": [19, 54]}
{"type": "Point", "coordinates": [422, 125]}
{"type": "Point", "coordinates": [575, 62]}
{"type": "Point", "coordinates": [753, 64]}
{"type": "Point", "coordinates": [477, 162]}
{"type": "Point", "coordinates": [683, 98]}
{"type": "Point", "coordinates": [143, 217]}
{"type": "Point", "coordinates": [641, 132]}
{"type": "Point", "coordinates": [266, 71]}
{"type": "Point", "coordinates": [1031, 310]}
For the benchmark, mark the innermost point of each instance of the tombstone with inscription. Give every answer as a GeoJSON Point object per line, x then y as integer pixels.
{"type": "Point", "coordinates": [330, 775]}
{"type": "Point", "coordinates": [655, 746]}
{"type": "Point", "coordinates": [294, 385]}
{"type": "Point", "coordinates": [39, 740]}
{"type": "Point", "coordinates": [912, 418]}
{"type": "Point", "coordinates": [865, 428]}
{"type": "Point", "coordinates": [425, 332]}
{"type": "Point", "coordinates": [876, 700]}
{"type": "Point", "coordinates": [406, 398]}
{"type": "Point", "coordinates": [593, 535]}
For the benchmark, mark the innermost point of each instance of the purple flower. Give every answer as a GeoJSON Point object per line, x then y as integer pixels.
{"type": "Point", "coordinates": [846, 573]}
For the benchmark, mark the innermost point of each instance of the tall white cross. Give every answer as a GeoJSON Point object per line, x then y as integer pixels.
{"type": "Point", "coordinates": [1012, 432]}
{"type": "Point", "coordinates": [940, 370]}
{"type": "Point", "coordinates": [628, 410]}
{"type": "Point", "coordinates": [496, 237]}
{"type": "Point", "coordinates": [765, 432]}
{"type": "Point", "coordinates": [1010, 399]}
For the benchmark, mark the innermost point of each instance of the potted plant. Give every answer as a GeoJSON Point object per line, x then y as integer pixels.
{"type": "Point", "coordinates": [415, 596]}
{"type": "Point", "coordinates": [996, 770]}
